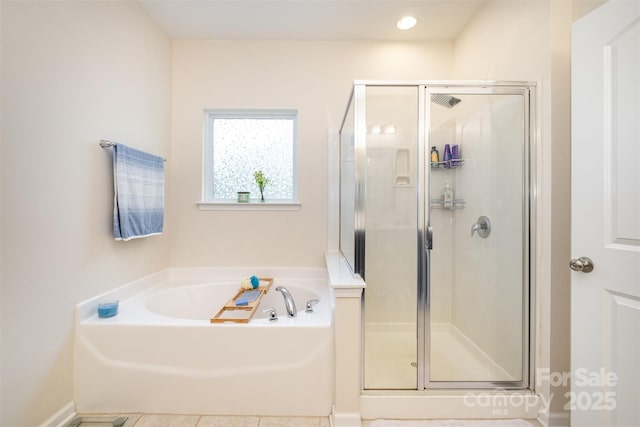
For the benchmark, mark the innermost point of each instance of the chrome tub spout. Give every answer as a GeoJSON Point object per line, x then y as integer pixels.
{"type": "Point", "coordinates": [289, 304]}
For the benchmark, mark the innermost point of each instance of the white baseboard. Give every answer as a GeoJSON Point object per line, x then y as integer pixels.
{"type": "Point", "coordinates": [62, 417]}
{"type": "Point", "coordinates": [344, 419]}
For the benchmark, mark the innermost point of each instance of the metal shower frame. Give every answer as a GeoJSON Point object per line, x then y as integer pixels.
{"type": "Point", "coordinates": [425, 89]}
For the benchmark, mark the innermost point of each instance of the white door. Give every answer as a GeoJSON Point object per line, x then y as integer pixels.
{"type": "Point", "coordinates": [605, 318]}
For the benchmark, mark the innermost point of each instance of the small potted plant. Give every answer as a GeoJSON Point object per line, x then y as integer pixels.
{"type": "Point", "coordinates": [262, 182]}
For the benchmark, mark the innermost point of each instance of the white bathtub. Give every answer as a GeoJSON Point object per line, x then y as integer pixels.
{"type": "Point", "coordinates": [161, 354]}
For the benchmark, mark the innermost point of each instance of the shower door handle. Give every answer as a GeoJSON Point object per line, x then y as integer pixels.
{"type": "Point", "coordinates": [429, 238]}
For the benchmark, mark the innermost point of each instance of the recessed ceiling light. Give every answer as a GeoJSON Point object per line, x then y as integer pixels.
{"type": "Point", "coordinates": [407, 22]}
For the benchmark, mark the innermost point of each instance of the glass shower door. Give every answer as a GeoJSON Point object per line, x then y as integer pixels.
{"type": "Point", "coordinates": [477, 207]}
{"type": "Point", "coordinates": [391, 171]}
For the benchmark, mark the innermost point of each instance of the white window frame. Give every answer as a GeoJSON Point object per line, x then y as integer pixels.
{"type": "Point", "coordinates": [206, 201]}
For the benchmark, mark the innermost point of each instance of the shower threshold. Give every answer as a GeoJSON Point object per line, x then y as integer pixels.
{"type": "Point", "coordinates": [449, 404]}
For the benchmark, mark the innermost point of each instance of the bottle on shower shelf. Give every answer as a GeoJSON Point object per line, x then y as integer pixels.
{"type": "Point", "coordinates": [446, 156]}
{"type": "Point", "coordinates": [455, 155]}
{"type": "Point", "coordinates": [447, 196]}
{"type": "Point", "coordinates": [435, 157]}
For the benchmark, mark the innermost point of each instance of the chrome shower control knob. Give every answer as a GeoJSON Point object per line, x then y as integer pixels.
{"type": "Point", "coordinates": [583, 264]}
{"type": "Point", "coordinates": [482, 226]}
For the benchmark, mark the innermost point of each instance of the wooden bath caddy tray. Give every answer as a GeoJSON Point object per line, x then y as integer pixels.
{"type": "Point", "coordinates": [231, 312]}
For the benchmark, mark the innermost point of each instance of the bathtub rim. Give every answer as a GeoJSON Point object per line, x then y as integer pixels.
{"type": "Point", "coordinates": [140, 288]}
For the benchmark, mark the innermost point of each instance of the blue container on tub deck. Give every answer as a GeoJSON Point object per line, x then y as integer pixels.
{"type": "Point", "coordinates": [108, 308]}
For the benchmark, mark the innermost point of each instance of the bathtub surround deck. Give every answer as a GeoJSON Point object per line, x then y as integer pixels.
{"type": "Point", "coordinates": [162, 354]}
{"type": "Point", "coordinates": [348, 291]}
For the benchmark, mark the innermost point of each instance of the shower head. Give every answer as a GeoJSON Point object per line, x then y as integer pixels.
{"type": "Point", "coordinates": [447, 101]}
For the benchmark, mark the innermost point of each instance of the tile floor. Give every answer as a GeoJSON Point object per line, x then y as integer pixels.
{"type": "Point", "coordinates": [159, 420]}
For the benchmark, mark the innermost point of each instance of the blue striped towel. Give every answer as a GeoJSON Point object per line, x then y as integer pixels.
{"type": "Point", "coordinates": [138, 205]}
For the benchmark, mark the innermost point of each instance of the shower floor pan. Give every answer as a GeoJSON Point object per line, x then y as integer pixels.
{"type": "Point", "coordinates": [390, 357]}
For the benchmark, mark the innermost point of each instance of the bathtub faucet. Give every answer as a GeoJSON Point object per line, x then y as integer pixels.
{"type": "Point", "coordinates": [289, 304]}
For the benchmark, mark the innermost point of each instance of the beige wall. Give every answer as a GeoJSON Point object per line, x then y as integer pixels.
{"type": "Point", "coordinates": [72, 73]}
{"type": "Point", "coordinates": [580, 8]}
{"type": "Point", "coordinates": [314, 78]}
{"type": "Point", "coordinates": [505, 41]}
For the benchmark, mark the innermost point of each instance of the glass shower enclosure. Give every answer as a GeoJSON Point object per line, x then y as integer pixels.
{"type": "Point", "coordinates": [435, 216]}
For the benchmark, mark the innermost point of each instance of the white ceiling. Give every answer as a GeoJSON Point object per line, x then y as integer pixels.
{"type": "Point", "coordinates": [310, 19]}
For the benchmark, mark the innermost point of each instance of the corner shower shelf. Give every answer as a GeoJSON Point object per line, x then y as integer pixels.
{"type": "Point", "coordinates": [449, 164]}
{"type": "Point", "coordinates": [439, 204]}
{"type": "Point", "coordinates": [231, 312]}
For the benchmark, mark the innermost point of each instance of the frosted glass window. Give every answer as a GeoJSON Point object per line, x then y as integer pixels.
{"type": "Point", "coordinates": [238, 143]}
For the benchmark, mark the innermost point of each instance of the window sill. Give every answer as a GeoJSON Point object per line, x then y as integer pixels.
{"type": "Point", "coordinates": [251, 206]}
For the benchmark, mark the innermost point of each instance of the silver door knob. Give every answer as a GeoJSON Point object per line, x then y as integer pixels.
{"type": "Point", "coordinates": [583, 264]}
